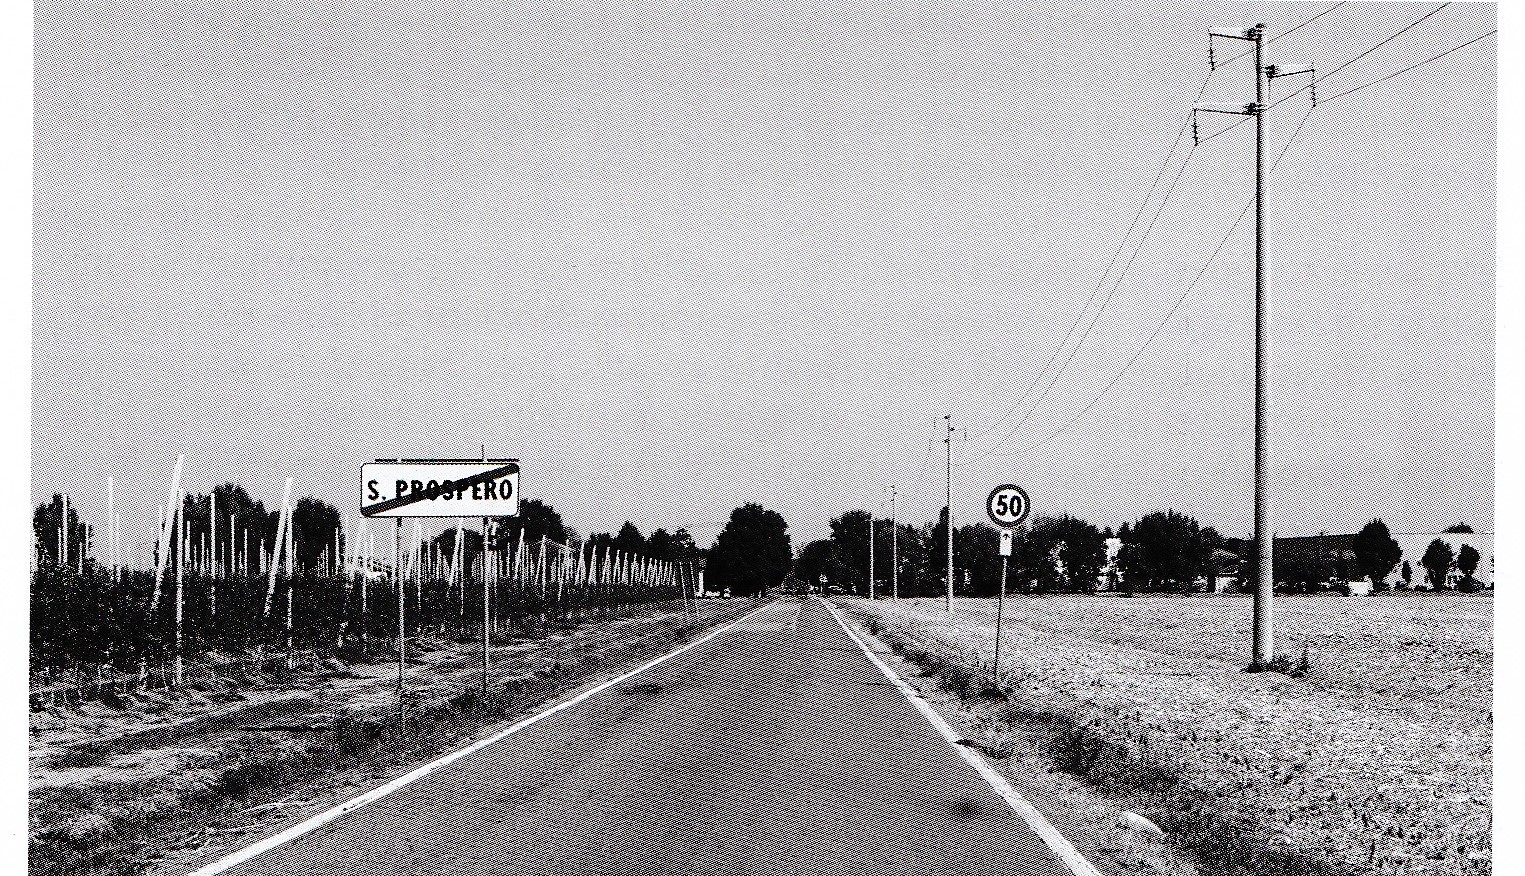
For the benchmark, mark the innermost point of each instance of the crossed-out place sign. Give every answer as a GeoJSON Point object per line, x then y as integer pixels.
{"type": "Point", "coordinates": [1008, 506]}
{"type": "Point", "coordinates": [440, 488]}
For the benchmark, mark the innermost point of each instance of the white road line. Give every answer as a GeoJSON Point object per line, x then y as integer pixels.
{"type": "Point", "coordinates": [342, 809]}
{"type": "Point", "coordinates": [1061, 847]}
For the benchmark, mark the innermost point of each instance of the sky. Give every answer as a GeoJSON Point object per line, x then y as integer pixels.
{"type": "Point", "coordinates": [676, 257]}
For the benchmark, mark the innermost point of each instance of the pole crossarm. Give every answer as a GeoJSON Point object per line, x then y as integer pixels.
{"type": "Point", "coordinates": [1228, 33]}
{"type": "Point", "coordinates": [1279, 71]}
{"type": "Point", "coordinates": [1233, 109]}
{"type": "Point", "coordinates": [1233, 33]}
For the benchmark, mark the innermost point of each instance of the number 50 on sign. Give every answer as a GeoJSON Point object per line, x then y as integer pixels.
{"type": "Point", "coordinates": [1008, 505]}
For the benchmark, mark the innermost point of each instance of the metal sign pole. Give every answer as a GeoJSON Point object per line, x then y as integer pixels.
{"type": "Point", "coordinates": [1000, 606]}
{"type": "Point", "coordinates": [486, 611]}
{"type": "Point", "coordinates": [402, 630]}
{"type": "Point", "coordinates": [1007, 505]}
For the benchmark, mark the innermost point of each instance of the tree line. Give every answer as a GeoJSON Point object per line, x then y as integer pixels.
{"type": "Point", "coordinates": [1161, 552]}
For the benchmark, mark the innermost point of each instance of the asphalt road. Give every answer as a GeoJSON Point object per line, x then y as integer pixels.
{"type": "Point", "coordinates": [776, 748]}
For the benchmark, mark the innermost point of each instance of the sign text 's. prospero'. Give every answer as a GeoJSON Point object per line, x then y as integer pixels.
{"type": "Point", "coordinates": [488, 488]}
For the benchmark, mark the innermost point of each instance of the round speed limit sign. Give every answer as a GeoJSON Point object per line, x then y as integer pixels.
{"type": "Point", "coordinates": [1008, 505]}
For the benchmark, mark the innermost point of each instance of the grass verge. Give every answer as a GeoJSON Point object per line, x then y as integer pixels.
{"type": "Point", "coordinates": [1230, 806]}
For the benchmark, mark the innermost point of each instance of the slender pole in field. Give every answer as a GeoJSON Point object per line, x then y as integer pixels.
{"type": "Point", "coordinates": [159, 555]}
{"type": "Point", "coordinates": [282, 522]}
{"type": "Point", "coordinates": [457, 551]}
{"type": "Point", "coordinates": [212, 529]}
{"type": "Point", "coordinates": [212, 537]}
{"type": "Point", "coordinates": [110, 516]}
{"type": "Point", "coordinates": [121, 555]}
{"type": "Point", "coordinates": [417, 551]}
{"type": "Point", "coordinates": [291, 586]}
{"type": "Point", "coordinates": [178, 524]}
{"type": "Point", "coordinates": [519, 558]}
{"type": "Point", "coordinates": [365, 577]}
{"type": "Point", "coordinates": [540, 568]}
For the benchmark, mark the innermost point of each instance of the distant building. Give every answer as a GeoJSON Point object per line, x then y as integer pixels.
{"type": "Point", "coordinates": [1330, 559]}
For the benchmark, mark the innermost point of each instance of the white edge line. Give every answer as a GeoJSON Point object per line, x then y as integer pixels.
{"type": "Point", "coordinates": [1061, 847]}
{"type": "Point", "coordinates": [347, 807]}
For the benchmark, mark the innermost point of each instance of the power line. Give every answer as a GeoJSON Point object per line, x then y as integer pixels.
{"type": "Point", "coordinates": [1284, 33]}
{"type": "Point", "coordinates": [1277, 162]}
{"type": "Point", "coordinates": [1102, 280]}
{"type": "Point", "coordinates": [1148, 196]}
{"type": "Point", "coordinates": [1111, 293]}
{"type": "Point", "coordinates": [1415, 23]}
{"type": "Point", "coordinates": [1137, 249]}
{"type": "Point", "coordinates": [1299, 27]}
{"type": "Point", "coordinates": [1224, 130]}
{"type": "Point", "coordinates": [1397, 73]}
{"type": "Point", "coordinates": [1169, 314]}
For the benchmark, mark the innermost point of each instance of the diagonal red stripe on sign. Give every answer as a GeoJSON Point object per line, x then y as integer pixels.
{"type": "Point", "coordinates": [450, 486]}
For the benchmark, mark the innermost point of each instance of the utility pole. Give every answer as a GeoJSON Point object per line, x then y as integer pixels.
{"type": "Point", "coordinates": [870, 555]}
{"type": "Point", "coordinates": [1263, 646]}
{"type": "Point", "coordinates": [894, 550]}
{"type": "Point", "coordinates": [948, 508]}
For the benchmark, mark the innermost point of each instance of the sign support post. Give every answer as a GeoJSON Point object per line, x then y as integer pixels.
{"type": "Point", "coordinates": [402, 629]}
{"type": "Point", "coordinates": [1007, 506]}
{"type": "Point", "coordinates": [1000, 606]}
{"type": "Point", "coordinates": [486, 611]}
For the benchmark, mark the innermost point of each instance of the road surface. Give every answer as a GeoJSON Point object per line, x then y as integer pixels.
{"type": "Point", "coordinates": [776, 748]}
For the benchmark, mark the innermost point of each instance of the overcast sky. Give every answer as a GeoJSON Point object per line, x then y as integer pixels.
{"type": "Point", "coordinates": [676, 257]}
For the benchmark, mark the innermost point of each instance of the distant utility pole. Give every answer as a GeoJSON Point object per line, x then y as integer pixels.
{"type": "Point", "coordinates": [948, 440]}
{"type": "Point", "coordinates": [894, 550]}
{"type": "Point", "coordinates": [870, 555]}
{"type": "Point", "coordinates": [1264, 640]}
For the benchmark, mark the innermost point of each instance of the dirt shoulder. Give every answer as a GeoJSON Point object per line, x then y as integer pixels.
{"type": "Point", "coordinates": [163, 785]}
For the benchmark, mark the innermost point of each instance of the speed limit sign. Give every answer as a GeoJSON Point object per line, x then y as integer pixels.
{"type": "Point", "coordinates": [1008, 505]}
